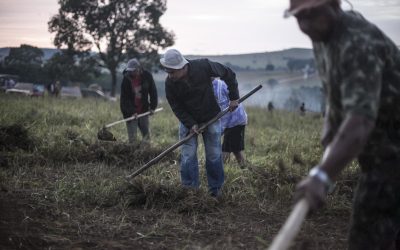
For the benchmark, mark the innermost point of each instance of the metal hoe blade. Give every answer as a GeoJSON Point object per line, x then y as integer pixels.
{"type": "Point", "coordinates": [179, 143]}
{"type": "Point", "coordinates": [105, 135]}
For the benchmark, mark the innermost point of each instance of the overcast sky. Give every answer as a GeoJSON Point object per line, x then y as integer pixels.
{"type": "Point", "coordinates": [202, 26]}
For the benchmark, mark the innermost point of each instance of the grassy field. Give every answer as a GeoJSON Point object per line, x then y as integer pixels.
{"type": "Point", "coordinates": [62, 188]}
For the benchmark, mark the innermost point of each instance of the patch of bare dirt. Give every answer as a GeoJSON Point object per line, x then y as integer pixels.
{"type": "Point", "coordinates": [19, 227]}
{"type": "Point", "coordinates": [27, 224]}
{"type": "Point", "coordinates": [150, 216]}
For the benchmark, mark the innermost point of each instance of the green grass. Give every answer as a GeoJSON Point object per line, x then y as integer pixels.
{"type": "Point", "coordinates": [80, 181]}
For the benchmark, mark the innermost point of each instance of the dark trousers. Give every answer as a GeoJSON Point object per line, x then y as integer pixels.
{"type": "Point", "coordinates": [376, 206]}
{"type": "Point", "coordinates": [143, 124]}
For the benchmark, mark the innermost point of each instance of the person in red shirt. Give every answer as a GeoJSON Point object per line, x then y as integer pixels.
{"type": "Point", "coordinates": [138, 95]}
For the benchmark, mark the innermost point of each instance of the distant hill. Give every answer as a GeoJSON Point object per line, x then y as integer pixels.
{"type": "Point", "coordinates": [48, 53]}
{"type": "Point", "coordinates": [251, 61]}
{"type": "Point", "coordinates": [254, 61]}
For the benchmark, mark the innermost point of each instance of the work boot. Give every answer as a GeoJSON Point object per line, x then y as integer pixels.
{"type": "Point", "coordinates": [216, 193]}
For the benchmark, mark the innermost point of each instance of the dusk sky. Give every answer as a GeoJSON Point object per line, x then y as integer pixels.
{"type": "Point", "coordinates": [202, 27]}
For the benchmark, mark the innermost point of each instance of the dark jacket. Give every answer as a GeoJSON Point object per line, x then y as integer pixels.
{"type": "Point", "coordinates": [193, 101]}
{"type": "Point", "coordinates": [127, 100]}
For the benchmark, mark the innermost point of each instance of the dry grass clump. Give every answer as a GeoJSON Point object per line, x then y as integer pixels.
{"type": "Point", "coordinates": [51, 161]}
{"type": "Point", "coordinates": [147, 193]}
{"type": "Point", "coordinates": [15, 137]}
{"type": "Point", "coordinates": [72, 148]}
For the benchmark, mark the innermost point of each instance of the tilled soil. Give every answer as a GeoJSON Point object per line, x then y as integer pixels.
{"type": "Point", "coordinates": [148, 216]}
{"type": "Point", "coordinates": [25, 224]}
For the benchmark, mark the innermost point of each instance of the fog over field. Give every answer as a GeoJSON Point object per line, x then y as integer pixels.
{"type": "Point", "coordinates": [288, 95]}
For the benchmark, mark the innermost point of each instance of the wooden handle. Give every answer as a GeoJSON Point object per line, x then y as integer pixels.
{"type": "Point", "coordinates": [132, 118]}
{"type": "Point", "coordinates": [291, 227]}
{"type": "Point", "coordinates": [176, 145]}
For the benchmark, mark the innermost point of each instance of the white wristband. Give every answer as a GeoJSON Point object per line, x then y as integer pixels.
{"type": "Point", "coordinates": [322, 176]}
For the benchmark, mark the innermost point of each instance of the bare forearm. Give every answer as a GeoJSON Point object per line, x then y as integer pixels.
{"type": "Point", "coordinates": [326, 136]}
{"type": "Point", "coordinates": [346, 144]}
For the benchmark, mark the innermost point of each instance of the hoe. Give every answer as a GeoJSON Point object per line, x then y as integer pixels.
{"type": "Point", "coordinates": [106, 135]}
{"type": "Point", "coordinates": [291, 227]}
{"type": "Point", "coordinates": [179, 143]}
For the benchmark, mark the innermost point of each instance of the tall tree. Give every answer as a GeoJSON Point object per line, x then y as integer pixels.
{"type": "Point", "coordinates": [117, 29]}
{"type": "Point", "coordinates": [71, 66]}
{"type": "Point", "coordinates": [25, 61]}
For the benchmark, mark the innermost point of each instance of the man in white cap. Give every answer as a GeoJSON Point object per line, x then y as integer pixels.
{"type": "Point", "coordinates": [138, 95]}
{"type": "Point", "coordinates": [360, 71]}
{"type": "Point", "coordinates": [189, 91]}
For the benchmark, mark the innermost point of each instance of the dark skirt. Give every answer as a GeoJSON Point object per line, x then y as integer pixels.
{"type": "Point", "coordinates": [233, 139]}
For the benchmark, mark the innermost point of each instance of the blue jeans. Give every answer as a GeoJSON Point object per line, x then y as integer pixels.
{"type": "Point", "coordinates": [214, 163]}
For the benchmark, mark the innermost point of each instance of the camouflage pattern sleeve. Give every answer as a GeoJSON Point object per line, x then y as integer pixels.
{"type": "Point", "coordinates": [361, 70]}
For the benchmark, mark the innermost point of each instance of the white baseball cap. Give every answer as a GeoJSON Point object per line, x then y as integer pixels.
{"type": "Point", "coordinates": [298, 5]}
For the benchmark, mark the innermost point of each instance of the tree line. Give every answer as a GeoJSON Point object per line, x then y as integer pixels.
{"type": "Point", "coordinates": [116, 30]}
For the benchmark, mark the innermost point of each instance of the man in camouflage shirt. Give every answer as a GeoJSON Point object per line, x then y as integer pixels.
{"type": "Point", "coordinates": [360, 70]}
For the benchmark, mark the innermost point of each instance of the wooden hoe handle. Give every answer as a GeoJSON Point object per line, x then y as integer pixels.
{"type": "Point", "coordinates": [132, 118]}
{"type": "Point", "coordinates": [291, 227]}
{"type": "Point", "coordinates": [188, 137]}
